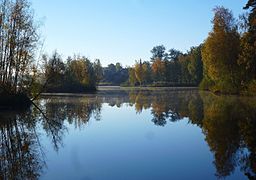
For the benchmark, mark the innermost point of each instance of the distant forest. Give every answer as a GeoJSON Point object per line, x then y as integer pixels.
{"type": "Point", "coordinates": [224, 63]}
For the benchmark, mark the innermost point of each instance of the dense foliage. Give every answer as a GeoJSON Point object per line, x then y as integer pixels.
{"type": "Point", "coordinates": [229, 57]}
{"type": "Point", "coordinates": [77, 74]}
{"type": "Point", "coordinates": [172, 68]}
{"type": "Point", "coordinates": [114, 75]}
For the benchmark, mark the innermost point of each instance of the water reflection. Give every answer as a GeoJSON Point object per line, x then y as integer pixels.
{"type": "Point", "coordinates": [227, 122]}
{"type": "Point", "coordinates": [21, 153]}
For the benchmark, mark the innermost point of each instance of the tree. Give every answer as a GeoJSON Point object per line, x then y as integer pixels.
{"type": "Point", "coordinates": [18, 41]}
{"type": "Point", "coordinates": [251, 4]}
{"type": "Point", "coordinates": [173, 67]}
{"type": "Point", "coordinates": [195, 66]}
{"type": "Point", "coordinates": [246, 60]}
{"type": "Point", "coordinates": [147, 72]}
{"type": "Point", "coordinates": [132, 77]}
{"type": "Point", "coordinates": [158, 69]}
{"type": "Point", "coordinates": [174, 54]}
{"type": "Point", "coordinates": [139, 72]}
{"type": "Point", "coordinates": [54, 68]}
{"type": "Point", "coordinates": [98, 70]}
{"type": "Point", "coordinates": [158, 52]}
{"type": "Point", "coordinates": [185, 77]}
{"type": "Point", "coordinates": [220, 52]}
{"type": "Point", "coordinates": [247, 56]}
{"type": "Point", "coordinates": [115, 74]}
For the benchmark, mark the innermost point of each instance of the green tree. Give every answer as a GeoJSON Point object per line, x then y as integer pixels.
{"type": "Point", "coordinates": [54, 70]}
{"type": "Point", "coordinates": [98, 70]}
{"type": "Point", "coordinates": [195, 66]}
{"type": "Point", "coordinates": [158, 52]}
{"type": "Point", "coordinates": [185, 77]}
{"type": "Point", "coordinates": [173, 68]}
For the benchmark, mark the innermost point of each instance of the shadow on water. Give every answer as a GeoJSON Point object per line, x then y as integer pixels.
{"type": "Point", "coordinates": [227, 122]}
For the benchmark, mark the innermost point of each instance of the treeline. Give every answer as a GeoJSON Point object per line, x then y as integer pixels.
{"type": "Point", "coordinates": [114, 74]}
{"type": "Point", "coordinates": [225, 62]}
{"type": "Point", "coordinates": [76, 75]}
{"type": "Point", "coordinates": [171, 68]}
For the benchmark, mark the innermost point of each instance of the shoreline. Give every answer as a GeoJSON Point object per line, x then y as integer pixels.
{"type": "Point", "coordinates": [104, 90]}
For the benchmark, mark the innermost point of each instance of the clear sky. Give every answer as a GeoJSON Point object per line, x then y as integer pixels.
{"type": "Point", "coordinates": [125, 30]}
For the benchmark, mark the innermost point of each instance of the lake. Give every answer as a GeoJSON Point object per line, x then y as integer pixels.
{"type": "Point", "coordinates": [131, 134]}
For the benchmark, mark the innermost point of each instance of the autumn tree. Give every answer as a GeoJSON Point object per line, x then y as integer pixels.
{"type": "Point", "coordinates": [139, 72]}
{"type": "Point", "coordinates": [247, 56]}
{"type": "Point", "coordinates": [158, 69]}
{"type": "Point", "coordinates": [132, 77]}
{"type": "Point", "coordinates": [220, 52]}
{"type": "Point", "coordinates": [18, 42]}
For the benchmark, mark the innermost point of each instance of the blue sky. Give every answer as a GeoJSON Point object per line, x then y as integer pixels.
{"type": "Point", "coordinates": [125, 30]}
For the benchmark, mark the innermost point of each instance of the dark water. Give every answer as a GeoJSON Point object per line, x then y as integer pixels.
{"type": "Point", "coordinates": [131, 135]}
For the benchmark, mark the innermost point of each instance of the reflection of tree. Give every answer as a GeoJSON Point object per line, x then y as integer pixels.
{"type": "Point", "coordinates": [21, 152]}
{"type": "Point", "coordinates": [168, 105]}
{"type": "Point", "coordinates": [247, 126]}
{"type": "Point", "coordinates": [230, 126]}
{"type": "Point", "coordinates": [228, 122]}
{"type": "Point", "coordinates": [76, 111]}
{"type": "Point", "coordinates": [196, 111]}
{"type": "Point", "coordinates": [222, 133]}
{"type": "Point", "coordinates": [21, 156]}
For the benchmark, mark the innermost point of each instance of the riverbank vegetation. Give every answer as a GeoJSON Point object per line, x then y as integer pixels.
{"type": "Point", "coordinates": [224, 63]}
{"type": "Point", "coordinates": [171, 68]}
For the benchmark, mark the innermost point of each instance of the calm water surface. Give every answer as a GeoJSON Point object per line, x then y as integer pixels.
{"type": "Point", "coordinates": [140, 134]}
